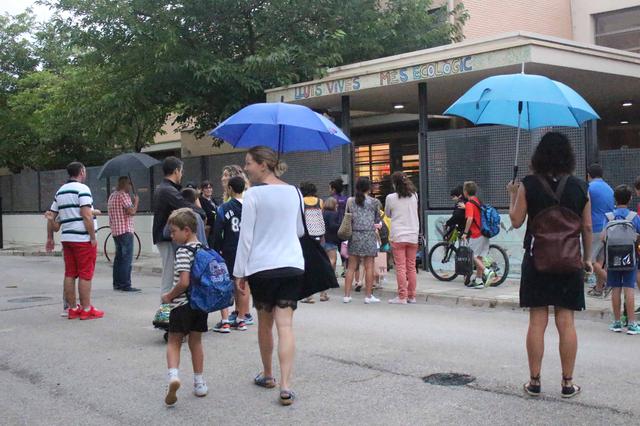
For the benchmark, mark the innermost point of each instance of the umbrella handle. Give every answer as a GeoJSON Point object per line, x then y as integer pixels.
{"type": "Point", "coordinates": [133, 188]}
{"type": "Point", "coordinates": [515, 173]}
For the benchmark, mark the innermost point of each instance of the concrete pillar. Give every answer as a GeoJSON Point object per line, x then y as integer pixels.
{"type": "Point", "coordinates": [348, 151]}
{"type": "Point", "coordinates": [424, 157]}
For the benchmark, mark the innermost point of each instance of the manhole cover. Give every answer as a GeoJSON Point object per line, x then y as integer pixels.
{"type": "Point", "coordinates": [449, 379]}
{"type": "Point", "coordinates": [29, 299]}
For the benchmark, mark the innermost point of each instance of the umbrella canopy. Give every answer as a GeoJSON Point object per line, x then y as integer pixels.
{"type": "Point", "coordinates": [282, 127]}
{"type": "Point", "coordinates": [123, 164]}
{"type": "Point", "coordinates": [530, 100]}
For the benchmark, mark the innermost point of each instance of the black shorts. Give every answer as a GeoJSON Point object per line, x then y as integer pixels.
{"type": "Point", "coordinates": [183, 319]}
{"type": "Point", "coordinates": [269, 292]}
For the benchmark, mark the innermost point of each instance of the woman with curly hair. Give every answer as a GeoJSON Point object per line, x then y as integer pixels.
{"type": "Point", "coordinates": [552, 164]}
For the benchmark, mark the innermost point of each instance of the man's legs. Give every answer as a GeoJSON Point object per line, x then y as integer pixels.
{"type": "Point", "coordinates": [70, 292]}
{"type": "Point", "coordinates": [167, 255]}
{"type": "Point", "coordinates": [118, 283]}
{"type": "Point", "coordinates": [127, 259]}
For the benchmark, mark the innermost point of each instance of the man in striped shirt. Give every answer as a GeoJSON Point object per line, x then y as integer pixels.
{"type": "Point", "coordinates": [72, 207]}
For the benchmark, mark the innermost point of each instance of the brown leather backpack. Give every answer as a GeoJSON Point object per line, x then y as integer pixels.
{"type": "Point", "coordinates": [556, 231]}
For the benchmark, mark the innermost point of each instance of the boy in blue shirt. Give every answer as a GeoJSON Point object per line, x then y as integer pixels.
{"type": "Point", "coordinates": [626, 280]}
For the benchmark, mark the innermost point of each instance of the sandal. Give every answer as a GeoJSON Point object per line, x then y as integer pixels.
{"type": "Point", "coordinates": [533, 389]}
{"type": "Point", "coordinates": [308, 300]}
{"type": "Point", "coordinates": [265, 382]}
{"type": "Point", "coordinates": [287, 397]}
{"type": "Point", "coordinates": [324, 298]}
{"type": "Point", "coordinates": [569, 391]}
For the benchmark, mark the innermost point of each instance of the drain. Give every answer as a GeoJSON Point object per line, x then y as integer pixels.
{"type": "Point", "coordinates": [449, 379]}
{"type": "Point", "coordinates": [29, 299]}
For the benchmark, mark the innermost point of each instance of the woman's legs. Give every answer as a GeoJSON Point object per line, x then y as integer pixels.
{"type": "Point", "coordinates": [412, 274]}
{"type": "Point", "coordinates": [538, 320]}
{"type": "Point", "coordinates": [369, 262]}
{"type": "Point", "coordinates": [286, 344]}
{"type": "Point", "coordinates": [399, 257]}
{"type": "Point", "coordinates": [568, 340]}
{"type": "Point", "coordinates": [354, 261]}
{"type": "Point", "coordinates": [265, 341]}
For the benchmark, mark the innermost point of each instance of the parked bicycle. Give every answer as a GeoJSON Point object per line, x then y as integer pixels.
{"type": "Point", "coordinates": [442, 259]}
{"type": "Point", "coordinates": [109, 247]}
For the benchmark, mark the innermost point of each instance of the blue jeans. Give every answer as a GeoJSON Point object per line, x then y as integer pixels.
{"type": "Point", "coordinates": [123, 260]}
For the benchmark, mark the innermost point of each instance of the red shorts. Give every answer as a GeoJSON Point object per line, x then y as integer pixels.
{"type": "Point", "coordinates": [79, 260]}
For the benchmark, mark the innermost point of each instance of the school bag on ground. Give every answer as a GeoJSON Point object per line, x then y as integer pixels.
{"type": "Point", "coordinates": [315, 221]}
{"type": "Point", "coordinates": [556, 230]}
{"type": "Point", "coordinates": [489, 220]}
{"type": "Point", "coordinates": [464, 260]}
{"type": "Point", "coordinates": [210, 287]}
{"type": "Point", "coordinates": [620, 243]}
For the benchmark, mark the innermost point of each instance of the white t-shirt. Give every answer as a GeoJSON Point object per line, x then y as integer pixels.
{"type": "Point", "coordinates": [405, 224]}
{"type": "Point", "coordinates": [270, 229]}
{"type": "Point", "coordinates": [67, 203]}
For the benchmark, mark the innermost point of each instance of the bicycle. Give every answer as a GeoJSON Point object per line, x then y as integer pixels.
{"type": "Point", "coordinates": [111, 244]}
{"type": "Point", "coordinates": [442, 259]}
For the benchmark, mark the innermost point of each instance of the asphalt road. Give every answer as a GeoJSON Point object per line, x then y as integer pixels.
{"type": "Point", "coordinates": [356, 364]}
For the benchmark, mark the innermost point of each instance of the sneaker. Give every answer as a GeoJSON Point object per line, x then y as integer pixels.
{"type": "Point", "coordinates": [489, 277]}
{"type": "Point", "coordinates": [74, 313]}
{"type": "Point", "coordinates": [346, 299]}
{"type": "Point", "coordinates": [92, 313]}
{"type": "Point", "coordinates": [130, 290]}
{"type": "Point", "coordinates": [477, 284]}
{"type": "Point", "coordinates": [171, 397]}
{"type": "Point", "coordinates": [239, 325]}
{"type": "Point", "coordinates": [412, 301]}
{"type": "Point", "coordinates": [65, 313]}
{"type": "Point", "coordinates": [248, 319]}
{"type": "Point", "coordinates": [638, 311]}
{"type": "Point", "coordinates": [222, 327]}
{"type": "Point", "coordinates": [398, 301]}
{"type": "Point", "coordinates": [233, 316]}
{"type": "Point", "coordinates": [633, 329]}
{"type": "Point", "coordinates": [616, 326]}
{"type": "Point", "coordinates": [370, 300]}
{"type": "Point", "coordinates": [200, 389]}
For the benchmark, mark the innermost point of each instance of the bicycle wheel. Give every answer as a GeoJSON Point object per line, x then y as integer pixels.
{"type": "Point", "coordinates": [138, 244]}
{"type": "Point", "coordinates": [499, 262]}
{"type": "Point", "coordinates": [442, 261]}
{"type": "Point", "coordinates": [108, 245]}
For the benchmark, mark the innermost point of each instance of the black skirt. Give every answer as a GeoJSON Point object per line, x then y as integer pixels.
{"type": "Point", "coordinates": [538, 289]}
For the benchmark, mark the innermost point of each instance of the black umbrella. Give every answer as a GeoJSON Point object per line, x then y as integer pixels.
{"type": "Point", "coordinates": [123, 164]}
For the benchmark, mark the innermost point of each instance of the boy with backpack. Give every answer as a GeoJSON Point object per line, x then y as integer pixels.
{"type": "Point", "coordinates": [620, 236]}
{"type": "Point", "coordinates": [225, 235]}
{"type": "Point", "coordinates": [183, 319]}
{"type": "Point", "coordinates": [473, 234]}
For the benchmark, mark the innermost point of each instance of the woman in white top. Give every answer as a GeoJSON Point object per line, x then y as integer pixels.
{"type": "Point", "coordinates": [269, 258]}
{"type": "Point", "coordinates": [402, 208]}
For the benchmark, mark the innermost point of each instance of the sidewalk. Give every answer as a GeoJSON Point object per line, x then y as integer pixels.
{"type": "Point", "coordinates": [428, 288]}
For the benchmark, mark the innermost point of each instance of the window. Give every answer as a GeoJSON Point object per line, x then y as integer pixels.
{"type": "Point", "coordinates": [374, 162]}
{"type": "Point", "coordinates": [619, 29]}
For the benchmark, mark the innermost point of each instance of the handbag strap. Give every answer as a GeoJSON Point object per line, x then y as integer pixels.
{"type": "Point", "coordinates": [300, 204]}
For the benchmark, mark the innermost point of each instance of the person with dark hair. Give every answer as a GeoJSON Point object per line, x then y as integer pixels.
{"type": "Point", "coordinates": [457, 219]}
{"type": "Point", "coordinates": [166, 199]}
{"type": "Point", "coordinates": [363, 244]}
{"type": "Point", "coordinates": [336, 188]}
{"type": "Point", "coordinates": [73, 206]}
{"type": "Point", "coordinates": [208, 205]}
{"type": "Point", "coordinates": [473, 235]}
{"type": "Point", "coordinates": [224, 240]}
{"type": "Point", "coordinates": [620, 222]}
{"type": "Point", "coordinates": [191, 196]}
{"type": "Point", "coordinates": [121, 211]}
{"type": "Point", "coordinates": [402, 207]}
{"type": "Point", "coordinates": [601, 196]}
{"type": "Point", "coordinates": [270, 258]}
{"type": "Point", "coordinates": [553, 163]}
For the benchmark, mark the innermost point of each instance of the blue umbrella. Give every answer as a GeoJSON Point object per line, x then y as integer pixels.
{"type": "Point", "coordinates": [525, 101]}
{"type": "Point", "coordinates": [282, 127]}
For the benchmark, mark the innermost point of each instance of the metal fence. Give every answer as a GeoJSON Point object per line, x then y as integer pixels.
{"type": "Point", "coordinates": [485, 155]}
{"type": "Point", "coordinates": [621, 166]}
{"type": "Point", "coordinates": [33, 192]}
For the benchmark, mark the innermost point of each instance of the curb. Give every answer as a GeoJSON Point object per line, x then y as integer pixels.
{"type": "Point", "coordinates": [435, 298]}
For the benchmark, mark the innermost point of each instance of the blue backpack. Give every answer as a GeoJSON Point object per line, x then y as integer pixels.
{"type": "Point", "coordinates": [490, 220]}
{"type": "Point", "coordinates": [211, 287]}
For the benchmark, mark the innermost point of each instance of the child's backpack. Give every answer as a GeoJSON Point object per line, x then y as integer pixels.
{"type": "Point", "coordinates": [211, 287]}
{"type": "Point", "coordinates": [490, 219]}
{"type": "Point", "coordinates": [556, 230]}
{"type": "Point", "coordinates": [315, 220]}
{"type": "Point", "coordinates": [620, 243]}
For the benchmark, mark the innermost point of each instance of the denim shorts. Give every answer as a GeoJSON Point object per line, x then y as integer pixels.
{"type": "Point", "coordinates": [622, 279]}
{"type": "Point", "coordinates": [329, 246]}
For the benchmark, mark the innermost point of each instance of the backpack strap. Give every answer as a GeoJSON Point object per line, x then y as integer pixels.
{"type": "Point", "coordinates": [304, 221]}
{"type": "Point", "coordinates": [479, 206]}
{"type": "Point", "coordinates": [610, 216]}
{"type": "Point", "coordinates": [631, 216]}
{"type": "Point", "coordinates": [557, 194]}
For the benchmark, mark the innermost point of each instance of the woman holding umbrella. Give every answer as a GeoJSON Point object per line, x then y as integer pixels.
{"type": "Point", "coordinates": [271, 223]}
{"type": "Point", "coordinates": [542, 283]}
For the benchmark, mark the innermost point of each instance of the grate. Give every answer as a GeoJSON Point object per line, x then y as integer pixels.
{"type": "Point", "coordinates": [449, 379]}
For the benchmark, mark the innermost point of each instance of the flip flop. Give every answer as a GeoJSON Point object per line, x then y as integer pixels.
{"type": "Point", "coordinates": [265, 382]}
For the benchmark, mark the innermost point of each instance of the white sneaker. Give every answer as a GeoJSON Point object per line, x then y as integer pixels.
{"type": "Point", "coordinates": [398, 301]}
{"type": "Point", "coordinates": [171, 397]}
{"type": "Point", "coordinates": [200, 389]}
{"type": "Point", "coordinates": [372, 299]}
{"type": "Point", "coordinates": [65, 313]}
{"type": "Point", "coordinates": [346, 299]}
{"type": "Point", "coordinates": [412, 301]}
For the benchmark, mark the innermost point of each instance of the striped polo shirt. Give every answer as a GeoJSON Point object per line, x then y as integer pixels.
{"type": "Point", "coordinates": [67, 202]}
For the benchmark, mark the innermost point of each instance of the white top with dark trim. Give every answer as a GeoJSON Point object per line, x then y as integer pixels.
{"type": "Point", "coordinates": [67, 202]}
